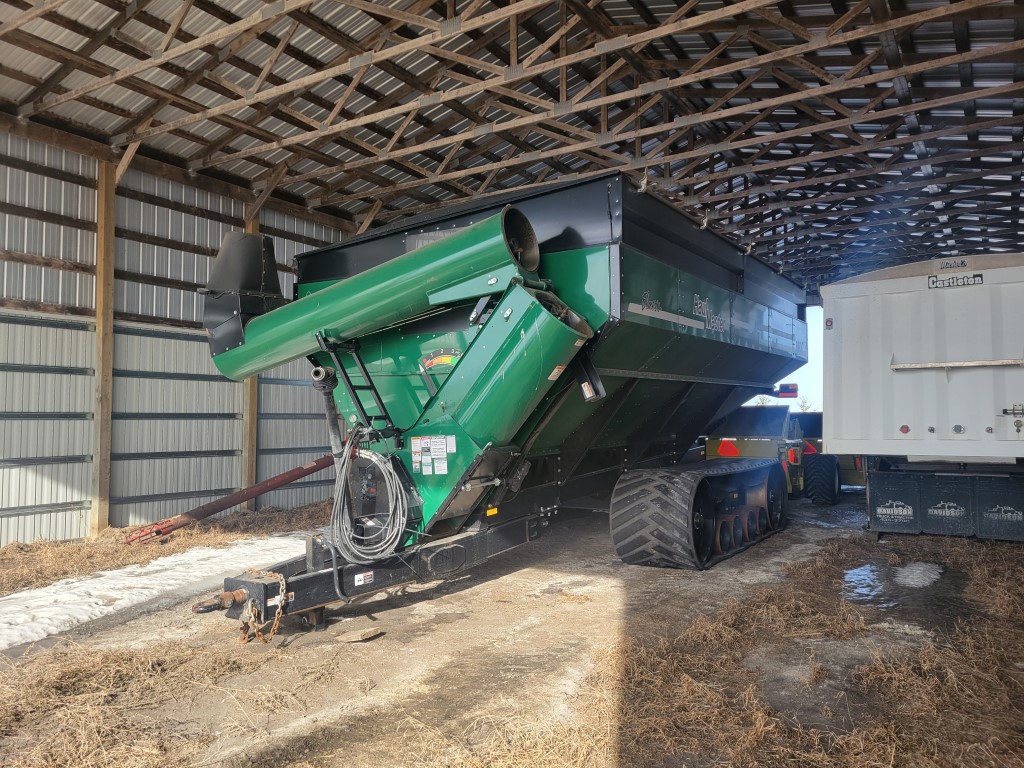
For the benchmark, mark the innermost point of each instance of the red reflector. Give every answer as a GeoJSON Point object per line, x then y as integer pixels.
{"type": "Point", "coordinates": [857, 464]}
{"type": "Point", "coordinates": [792, 455]}
{"type": "Point", "coordinates": [809, 449]}
{"type": "Point", "coordinates": [904, 429]}
{"type": "Point", "coordinates": [728, 448]}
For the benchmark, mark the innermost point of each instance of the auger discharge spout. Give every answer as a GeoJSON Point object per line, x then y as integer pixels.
{"type": "Point", "coordinates": [253, 329]}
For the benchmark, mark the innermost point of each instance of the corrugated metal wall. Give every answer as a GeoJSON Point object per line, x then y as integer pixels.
{"type": "Point", "coordinates": [30, 202]}
{"type": "Point", "coordinates": [291, 432]}
{"type": "Point", "coordinates": [46, 376]}
{"type": "Point", "coordinates": [291, 425]}
{"type": "Point", "coordinates": [177, 426]}
{"type": "Point", "coordinates": [179, 230]}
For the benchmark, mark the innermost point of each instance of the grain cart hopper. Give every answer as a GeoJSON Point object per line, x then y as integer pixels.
{"type": "Point", "coordinates": [493, 363]}
{"type": "Point", "coordinates": [924, 381]}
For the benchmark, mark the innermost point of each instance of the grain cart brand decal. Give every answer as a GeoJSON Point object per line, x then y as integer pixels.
{"type": "Point", "coordinates": [702, 308]}
{"type": "Point", "coordinates": [647, 304]}
{"type": "Point", "coordinates": [955, 281]}
{"type": "Point", "coordinates": [894, 512]}
{"type": "Point", "coordinates": [953, 264]}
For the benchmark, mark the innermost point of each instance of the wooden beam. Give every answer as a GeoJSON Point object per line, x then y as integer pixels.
{"type": "Point", "coordinates": [286, 38]}
{"type": "Point", "coordinates": [172, 30]}
{"type": "Point", "coordinates": [685, 122]}
{"type": "Point", "coordinates": [681, 122]}
{"type": "Point", "coordinates": [103, 400]}
{"type": "Point", "coordinates": [268, 13]}
{"type": "Point", "coordinates": [250, 408]}
{"type": "Point", "coordinates": [252, 210]}
{"type": "Point", "coordinates": [370, 216]}
{"type": "Point", "coordinates": [23, 18]}
{"type": "Point", "coordinates": [380, 10]}
{"type": "Point", "coordinates": [129, 153]}
{"type": "Point", "coordinates": [63, 309]}
{"type": "Point", "coordinates": [95, 42]}
{"type": "Point", "coordinates": [353, 64]}
{"type": "Point", "coordinates": [618, 44]}
{"type": "Point", "coordinates": [872, 174]}
{"type": "Point", "coordinates": [461, 94]}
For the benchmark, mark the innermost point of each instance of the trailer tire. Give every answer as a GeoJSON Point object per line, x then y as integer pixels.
{"type": "Point", "coordinates": [662, 518]}
{"type": "Point", "coordinates": [821, 478]}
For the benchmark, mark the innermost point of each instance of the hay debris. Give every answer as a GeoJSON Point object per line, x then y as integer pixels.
{"type": "Point", "coordinates": [72, 706]}
{"type": "Point", "coordinates": [689, 700]}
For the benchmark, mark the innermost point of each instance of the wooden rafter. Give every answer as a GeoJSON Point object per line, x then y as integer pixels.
{"type": "Point", "coordinates": [827, 143]}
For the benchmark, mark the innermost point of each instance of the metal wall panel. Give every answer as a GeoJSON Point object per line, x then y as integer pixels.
{"type": "Point", "coordinates": [31, 234]}
{"type": "Point", "coordinates": [191, 263]}
{"type": "Point", "coordinates": [177, 429]}
{"type": "Point", "coordinates": [42, 484]}
{"type": "Point", "coordinates": [181, 193]}
{"type": "Point", "coordinates": [291, 432]}
{"type": "Point", "coordinates": [46, 377]}
{"type": "Point", "coordinates": [55, 525]}
{"type": "Point", "coordinates": [172, 476]}
{"type": "Point", "coordinates": [288, 442]}
{"type": "Point", "coordinates": [44, 154]}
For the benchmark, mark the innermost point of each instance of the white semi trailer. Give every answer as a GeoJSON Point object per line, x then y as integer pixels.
{"type": "Point", "coordinates": [924, 380]}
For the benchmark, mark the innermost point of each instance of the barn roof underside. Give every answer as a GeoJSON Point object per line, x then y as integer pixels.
{"type": "Point", "coordinates": [827, 138]}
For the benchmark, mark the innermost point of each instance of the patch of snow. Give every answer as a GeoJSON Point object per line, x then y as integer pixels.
{"type": "Point", "coordinates": [37, 613]}
{"type": "Point", "coordinates": [918, 574]}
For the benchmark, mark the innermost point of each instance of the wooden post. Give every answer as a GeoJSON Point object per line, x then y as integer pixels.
{"type": "Point", "coordinates": [250, 408]}
{"type": "Point", "coordinates": [106, 220]}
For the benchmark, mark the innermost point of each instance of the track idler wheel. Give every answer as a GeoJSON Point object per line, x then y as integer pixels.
{"type": "Point", "coordinates": [750, 528]}
{"type": "Point", "coordinates": [771, 495]}
{"type": "Point", "coordinates": [724, 543]}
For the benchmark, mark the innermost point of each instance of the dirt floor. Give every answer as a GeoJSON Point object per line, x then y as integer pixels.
{"type": "Point", "coordinates": [819, 647]}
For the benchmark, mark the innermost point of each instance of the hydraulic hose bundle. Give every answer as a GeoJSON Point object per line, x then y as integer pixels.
{"type": "Point", "coordinates": [376, 539]}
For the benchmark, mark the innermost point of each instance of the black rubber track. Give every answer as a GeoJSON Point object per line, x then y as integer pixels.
{"type": "Point", "coordinates": [651, 518]}
{"type": "Point", "coordinates": [820, 473]}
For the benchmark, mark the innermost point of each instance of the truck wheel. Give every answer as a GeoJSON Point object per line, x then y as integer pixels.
{"type": "Point", "coordinates": [821, 478]}
{"type": "Point", "coordinates": [662, 518]}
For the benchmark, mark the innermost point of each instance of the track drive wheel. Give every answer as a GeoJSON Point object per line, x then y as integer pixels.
{"type": "Point", "coordinates": [821, 478]}
{"type": "Point", "coordinates": [770, 494]}
{"type": "Point", "coordinates": [663, 518]}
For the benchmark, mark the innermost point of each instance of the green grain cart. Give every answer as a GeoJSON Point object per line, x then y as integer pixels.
{"type": "Point", "coordinates": [483, 367]}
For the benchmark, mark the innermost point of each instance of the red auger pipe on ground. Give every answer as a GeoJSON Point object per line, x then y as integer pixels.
{"type": "Point", "coordinates": [163, 527]}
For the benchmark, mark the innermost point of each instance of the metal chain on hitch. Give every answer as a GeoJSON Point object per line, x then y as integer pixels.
{"type": "Point", "coordinates": [250, 615]}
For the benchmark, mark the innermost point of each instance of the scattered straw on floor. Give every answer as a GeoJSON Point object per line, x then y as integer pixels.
{"type": "Point", "coordinates": [25, 566]}
{"type": "Point", "coordinates": [76, 707]}
{"type": "Point", "coordinates": [688, 700]}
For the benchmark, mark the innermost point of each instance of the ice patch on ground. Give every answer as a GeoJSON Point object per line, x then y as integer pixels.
{"type": "Point", "coordinates": [37, 613]}
{"type": "Point", "coordinates": [918, 574]}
